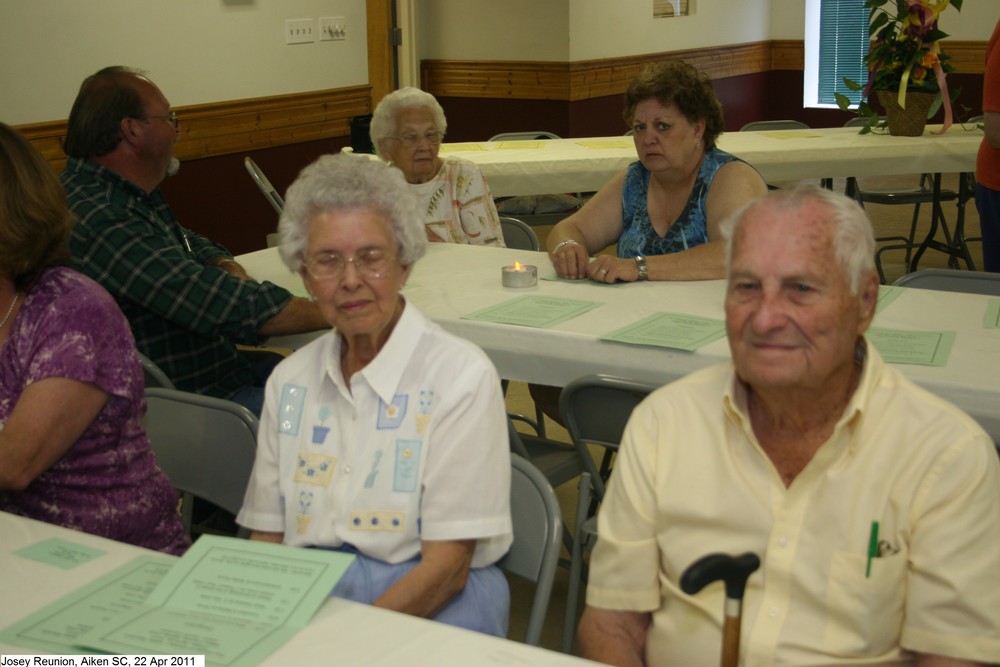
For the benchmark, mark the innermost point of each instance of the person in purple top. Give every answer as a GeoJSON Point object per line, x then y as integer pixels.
{"type": "Point", "coordinates": [73, 451]}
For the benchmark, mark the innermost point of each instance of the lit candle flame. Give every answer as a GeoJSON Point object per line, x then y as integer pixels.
{"type": "Point", "coordinates": [518, 266]}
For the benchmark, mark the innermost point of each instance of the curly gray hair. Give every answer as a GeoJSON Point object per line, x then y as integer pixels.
{"type": "Point", "coordinates": [383, 122]}
{"type": "Point", "coordinates": [346, 182]}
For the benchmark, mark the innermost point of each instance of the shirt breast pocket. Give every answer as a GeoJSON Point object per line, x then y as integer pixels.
{"type": "Point", "coordinates": [865, 611]}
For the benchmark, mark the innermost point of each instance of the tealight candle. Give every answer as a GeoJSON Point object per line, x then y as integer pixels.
{"type": "Point", "coordinates": [519, 275]}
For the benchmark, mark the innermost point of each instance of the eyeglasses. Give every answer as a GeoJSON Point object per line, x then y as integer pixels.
{"type": "Point", "coordinates": [171, 118]}
{"type": "Point", "coordinates": [412, 139]}
{"type": "Point", "coordinates": [373, 263]}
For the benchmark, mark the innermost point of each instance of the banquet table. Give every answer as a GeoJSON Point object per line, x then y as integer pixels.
{"type": "Point", "coordinates": [341, 632]}
{"type": "Point", "coordinates": [453, 280]}
{"type": "Point", "coordinates": [586, 164]}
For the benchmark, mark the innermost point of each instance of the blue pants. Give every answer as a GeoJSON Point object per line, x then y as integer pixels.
{"type": "Point", "coordinates": [483, 605]}
{"type": "Point", "coordinates": [988, 205]}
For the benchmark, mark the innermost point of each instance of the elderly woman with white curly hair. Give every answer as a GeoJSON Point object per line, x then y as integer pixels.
{"type": "Point", "coordinates": [386, 437]}
{"type": "Point", "coordinates": [406, 130]}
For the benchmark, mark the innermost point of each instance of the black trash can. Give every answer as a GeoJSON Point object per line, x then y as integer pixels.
{"type": "Point", "coordinates": [361, 142]}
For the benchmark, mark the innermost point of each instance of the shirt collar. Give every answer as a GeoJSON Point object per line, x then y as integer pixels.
{"type": "Point", "coordinates": [385, 372]}
{"type": "Point", "coordinates": [734, 399]}
{"type": "Point", "coordinates": [99, 172]}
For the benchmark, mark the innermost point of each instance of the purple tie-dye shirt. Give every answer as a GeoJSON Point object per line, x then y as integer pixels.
{"type": "Point", "coordinates": [108, 482]}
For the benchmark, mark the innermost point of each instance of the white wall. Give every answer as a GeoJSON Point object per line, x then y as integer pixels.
{"type": "Point", "coordinates": [603, 29]}
{"type": "Point", "coordinates": [570, 30]}
{"type": "Point", "coordinates": [196, 51]}
{"type": "Point", "coordinates": [494, 29]}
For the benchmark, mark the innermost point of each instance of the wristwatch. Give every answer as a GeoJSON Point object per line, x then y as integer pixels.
{"type": "Point", "coordinates": [640, 263]}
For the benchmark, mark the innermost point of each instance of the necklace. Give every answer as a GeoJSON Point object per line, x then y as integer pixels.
{"type": "Point", "coordinates": [9, 310]}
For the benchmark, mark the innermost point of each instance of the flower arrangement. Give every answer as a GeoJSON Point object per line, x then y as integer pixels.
{"type": "Point", "coordinates": [905, 56]}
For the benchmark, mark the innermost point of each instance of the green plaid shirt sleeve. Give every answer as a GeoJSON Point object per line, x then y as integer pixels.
{"type": "Point", "coordinates": [185, 316]}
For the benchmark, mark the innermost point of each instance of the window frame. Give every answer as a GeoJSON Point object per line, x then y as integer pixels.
{"type": "Point", "coordinates": [813, 89]}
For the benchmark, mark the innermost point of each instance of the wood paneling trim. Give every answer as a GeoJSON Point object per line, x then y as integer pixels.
{"type": "Point", "coordinates": [588, 79]}
{"type": "Point", "coordinates": [527, 80]}
{"type": "Point", "coordinates": [600, 78]}
{"type": "Point", "coordinates": [239, 126]}
{"type": "Point", "coordinates": [966, 57]}
{"type": "Point", "coordinates": [788, 54]}
{"type": "Point", "coordinates": [579, 80]}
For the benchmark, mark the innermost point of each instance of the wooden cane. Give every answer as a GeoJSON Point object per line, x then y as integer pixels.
{"type": "Point", "coordinates": [734, 571]}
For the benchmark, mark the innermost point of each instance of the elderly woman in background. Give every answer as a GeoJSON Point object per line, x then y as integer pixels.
{"type": "Point", "coordinates": [387, 437]}
{"type": "Point", "coordinates": [664, 210]}
{"type": "Point", "coordinates": [72, 447]}
{"type": "Point", "coordinates": [455, 201]}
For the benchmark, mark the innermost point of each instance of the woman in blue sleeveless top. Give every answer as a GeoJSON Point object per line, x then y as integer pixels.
{"type": "Point", "coordinates": [664, 210]}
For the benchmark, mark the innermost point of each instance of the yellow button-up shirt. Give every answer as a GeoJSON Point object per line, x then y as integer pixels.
{"type": "Point", "coordinates": [691, 479]}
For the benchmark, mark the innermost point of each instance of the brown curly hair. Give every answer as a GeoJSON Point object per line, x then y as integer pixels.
{"type": "Point", "coordinates": [674, 82]}
{"type": "Point", "coordinates": [34, 221]}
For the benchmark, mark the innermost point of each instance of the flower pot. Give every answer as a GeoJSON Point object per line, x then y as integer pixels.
{"type": "Point", "coordinates": [908, 122]}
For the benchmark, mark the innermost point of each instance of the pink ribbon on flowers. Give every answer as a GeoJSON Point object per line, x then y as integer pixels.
{"type": "Point", "coordinates": [927, 21]}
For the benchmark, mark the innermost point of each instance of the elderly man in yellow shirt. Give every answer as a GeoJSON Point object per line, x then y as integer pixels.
{"type": "Point", "coordinates": [792, 451]}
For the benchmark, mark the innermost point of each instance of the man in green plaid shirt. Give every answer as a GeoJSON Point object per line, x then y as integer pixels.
{"type": "Point", "coordinates": [187, 300]}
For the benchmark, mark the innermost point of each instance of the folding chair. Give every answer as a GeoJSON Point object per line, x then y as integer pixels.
{"type": "Point", "coordinates": [543, 209]}
{"type": "Point", "coordinates": [153, 375]}
{"type": "Point", "coordinates": [518, 234]}
{"type": "Point", "coordinates": [953, 280]}
{"type": "Point", "coordinates": [205, 445]}
{"type": "Point", "coordinates": [272, 196]}
{"type": "Point", "coordinates": [524, 136]}
{"type": "Point", "coordinates": [784, 124]}
{"type": "Point", "coordinates": [534, 554]}
{"type": "Point", "coordinates": [595, 409]}
{"type": "Point", "coordinates": [921, 192]}
{"type": "Point", "coordinates": [556, 460]}
{"type": "Point", "coordinates": [763, 125]}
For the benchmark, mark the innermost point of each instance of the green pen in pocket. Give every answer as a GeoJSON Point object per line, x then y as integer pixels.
{"type": "Point", "coordinates": [872, 548]}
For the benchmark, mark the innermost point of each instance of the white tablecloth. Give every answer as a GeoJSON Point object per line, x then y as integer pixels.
{"type": "Point", "coordinates": [583, 165]}
{"type": "Point", "coordinates": [341, 633]}
{"type": "Point", "coordinates": [454, 280]}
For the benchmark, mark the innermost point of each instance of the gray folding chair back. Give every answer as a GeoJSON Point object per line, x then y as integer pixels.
{"type": "Point", "coordinates": [783, 124]}
{"type": "Point", "coordinates": [595, 409]}
{"type": "Point", "coordinates": [953, 280]}
{"type": "Point", "coordinates": [556, 460]}
{"type": "Point", "coordinates": [153, 375]}
{"type": "Point", "coordinates": [524, 136]}
{"type": "Point", "coordinates": [272, 196]}
{"type": "Point", "coordinates": [544, 209]}
{"type": "Point", "coordinates": [534, 555]}
{"type": "Point", "coordinates": [518, 234]}
{"type": "Point", "coordinates": [921, 192]}
{"type": "Point", "coordinates": [205, 445]}
{"type": "Point", "coordinates": [970, 282]}
{"type": "Point", "coordinates": [759, 125]}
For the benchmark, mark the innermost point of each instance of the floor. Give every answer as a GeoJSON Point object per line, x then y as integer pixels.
{"type": "Point", "coordinates": [886, 221]}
